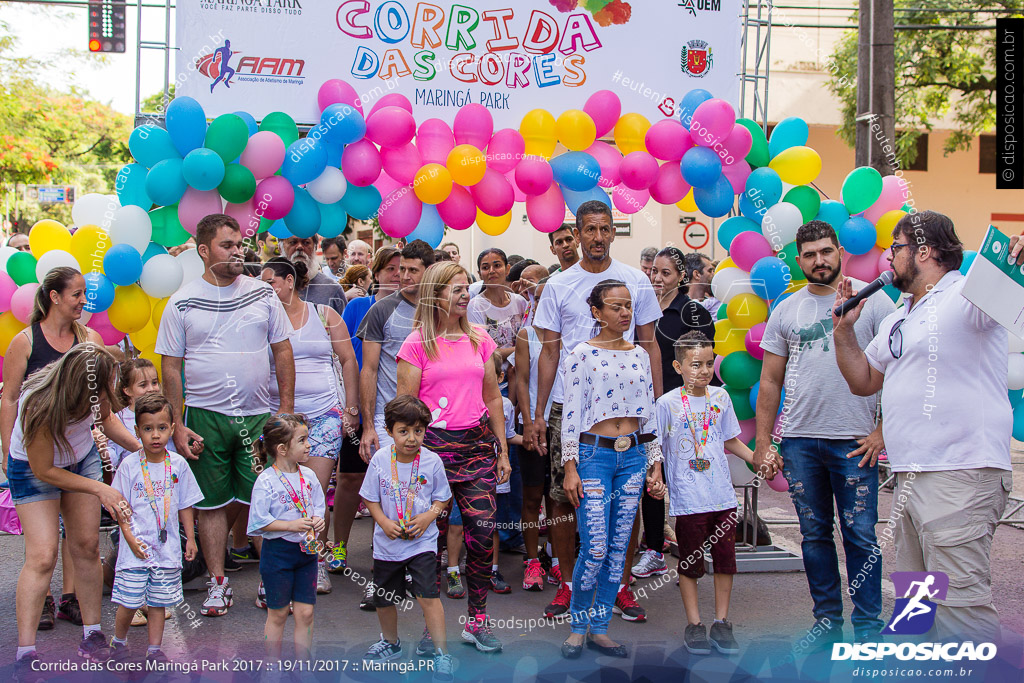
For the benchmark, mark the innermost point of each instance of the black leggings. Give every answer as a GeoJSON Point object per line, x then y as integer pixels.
{"type": "Point", "coordinates": [653, 511]}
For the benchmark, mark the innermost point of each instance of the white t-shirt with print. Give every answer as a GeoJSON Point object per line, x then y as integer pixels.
{"type": "Point", "coordinates": [118, 453]}
{"type": "Point", "coordinates": [271, 501]}
{"type": "Point", "coordinates": [502, 323]}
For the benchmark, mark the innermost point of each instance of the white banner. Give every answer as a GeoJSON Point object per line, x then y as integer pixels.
{"type": "Point", "coordinates": [262, 56]}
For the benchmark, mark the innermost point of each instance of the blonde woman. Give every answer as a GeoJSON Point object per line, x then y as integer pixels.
{"type": "Point", "coordinates": [445, 363]}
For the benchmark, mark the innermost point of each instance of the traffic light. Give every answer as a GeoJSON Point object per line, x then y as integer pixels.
{"type": "Point", "coordinates": [106, 25]}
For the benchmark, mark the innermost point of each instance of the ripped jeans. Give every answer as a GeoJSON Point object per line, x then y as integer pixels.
{"type": "Point", "coordinates": [612, 484]}
{"type": "Point", "coordinates": [819, 472]}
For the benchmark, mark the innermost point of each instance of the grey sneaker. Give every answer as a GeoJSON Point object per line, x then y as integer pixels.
{"type": "Point", "coordinates": [455, 588]}
{"type": "Point", "coordinates": [382, 650]}
{"type": "Point", "coordinates": [119, 652]}
{"type": "Point", "coordinates": [695, 639]}
{"type": "Point", "coordinates": [367, 602]}
{"type": "Point", "coordinates": [444, 668]}
{"type": "Point", "coordinates": [26, 669]}
{"type": "Point", "coordinates": [323, 581]}
{"type": "Point", "coordinates": [652, 563]}
{"type": "Point", "coordinates": [426, 645]}
{"type": "Point", "coordinates": [479, 633]}
{"type": "Point", "coordinates": [721, 638]}
{"type": "Point", "coordinates": [94, 648]}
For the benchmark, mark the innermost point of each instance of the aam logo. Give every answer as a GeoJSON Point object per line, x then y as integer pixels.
{"type": "Point", "coordinates": [914, 613]}
{"type": "Point", "coordinates": [218, 66]}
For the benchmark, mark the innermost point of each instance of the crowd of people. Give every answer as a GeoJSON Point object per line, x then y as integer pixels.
{"type": "Point", "coordinates": [468, 411]}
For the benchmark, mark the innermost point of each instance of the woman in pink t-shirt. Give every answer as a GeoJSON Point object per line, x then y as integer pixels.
{"type": "Point", "coordinates": [445, 363]}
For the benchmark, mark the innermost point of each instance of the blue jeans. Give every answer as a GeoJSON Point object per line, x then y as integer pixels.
{"type": "Point", "coordinates": [510, 505]}
{"type": "Point", "coordinates": [819, 472]}
{"type": "Point", "coordinates": [612, 484]}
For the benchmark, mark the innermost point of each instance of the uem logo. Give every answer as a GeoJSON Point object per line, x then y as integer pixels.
{"type": "Point", "coordinates": [692, 6]}
{"type": "Point", "coordinates": [914, 613]}
{"type": "Point", "coordinates": [217, 66]}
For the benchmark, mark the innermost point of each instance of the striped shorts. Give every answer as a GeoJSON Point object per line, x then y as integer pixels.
{"type": "Point", "coordinates": [152, 586]}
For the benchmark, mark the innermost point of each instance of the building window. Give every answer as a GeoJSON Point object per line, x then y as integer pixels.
{"type": "Point", "coordinates": [987, 154]}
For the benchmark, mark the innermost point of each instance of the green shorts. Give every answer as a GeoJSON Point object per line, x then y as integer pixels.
{"type": "Point", "coordinates": [225, 469]}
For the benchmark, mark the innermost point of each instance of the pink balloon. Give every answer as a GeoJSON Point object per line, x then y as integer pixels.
{"type": "Point", "coordinates": [392, 100]}
{"type": "Point", "coordinates": [668, 140]}
{"type": "Point", "coordinates": [108, 333]}
{"type": "Point", "coordinates": [718, 364]}
{"type": "Point", "coordinates": [534, 175]}
{"type": "Point", "coordinates": [197, 205]}
{"type": "Point", "coordinates": [610, 161]}
{"type": "Point", "coordinates": [361, 163]}
{"type": "Point", "coordinates": [778, 483]}
{"type": "Point", "coordinates": [246, 215]}
{"type": "Point", "coordinates": [737, 144]}
{"type": "Point", "coordinates": [511, 178]}
{"type": "Point", "coordinates": [390, 126]}
{"type": "Point", "coordinates": [628, 200]}
{"type": "Point", "coordinates": [546, 212]}
{"type": "Point", "coordinates": [22, 301]}
{"type": "Point", "coordinates": [753, 340]}
{"type": "Point", "coordinates": [493, 195]}
{"type": "Point", "coordinates": [385, 184]}
{"type": "Point", "coordinates": [670, 187]}
{"type": "Point", "coordinates": [400, 212]}
{"type": "Point", "coordinates": [737, 175]}
{"type": "Point", "coordinates": [605, 108]}
{"type": "Point", "coordinates": [263, 154]}
{"type": "Point", "coordinates": [473, 125]}
{"type": "Point", "coordinates": [863, 267]}
{"type": "Point", "coordinates": [505, 150]}
{"type": "Point", "coordinates": [748, 248]}
{"type": "Point", "coordinates": [435, 140]}
{"type": "Point", "coordinates": [895, 193]}
{"type": "Point", "coordinates": [712, 122]}
{"type": "Point", "coordinates": [883, 261]}
{"type": "Point", "coordinates": [276, 192]}
{"type": "Point", "coordinates": [748, 429]}
{"type": "Point", "coordinates": [459, 210]}
{"type": "Point", "coordinates": [639, 170]}
{"type": "Point", "coordinates": [401, 163]}
{"type": "Point", "coordinates": [337, 91]}
{"type": "Point", "coordinates": [7, 289]}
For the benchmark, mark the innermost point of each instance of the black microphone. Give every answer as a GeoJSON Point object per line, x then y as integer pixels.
{"type": "Point", "coordinates": [869, 289]}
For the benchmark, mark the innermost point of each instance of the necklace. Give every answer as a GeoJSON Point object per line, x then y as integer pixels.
{"type": "Point", "coordinates": [698, 464]}
{"type": "Point", "coordinates": [410, 495]}
{"type": "Point", "coordinates": [151, 494]}
{"type": "Point", "coordinates": [300, 504]}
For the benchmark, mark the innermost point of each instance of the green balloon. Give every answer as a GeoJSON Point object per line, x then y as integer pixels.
{"type": "Point", "coordinates": [238, 185]}
{"type": "Point", "coordinates": [722, 314]}
{"type": "Point", "coordinates": [861, 189]}
{"type": "Point", "coordinates": [282, 125]}
{"type": "Point", "coordinates": [265, 224]}
{"type": "Point", "coordinates": [740, 400]}
{"type": "Point", "coordinates": [740, 369]}
{"type": "Point", "coordinates": [167, 230]}
{"type": "Point", "coordinates": [758, 155]}
{"type": "Point", "coordinates": [227, 136]}
{"type": "Point", "coordinates": [22, 268]}
{"type": "Point", "coordinates": [788, 254]}
{"type": "Point", "coordinates": [805, 198]}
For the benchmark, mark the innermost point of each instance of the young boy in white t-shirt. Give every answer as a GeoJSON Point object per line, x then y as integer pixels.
{"type": "Point", "coordinates": [696, 423]}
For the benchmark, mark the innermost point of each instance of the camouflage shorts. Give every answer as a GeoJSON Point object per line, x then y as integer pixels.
{"type": "Point", "coordinates": [554, 435]}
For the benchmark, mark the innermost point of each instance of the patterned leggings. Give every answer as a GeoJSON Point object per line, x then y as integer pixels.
{"type": "Point", "coordinates": [476, 501]}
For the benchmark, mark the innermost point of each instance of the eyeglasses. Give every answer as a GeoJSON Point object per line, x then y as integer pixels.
{"type": "Point", "coordinates": [897, 246]}
{"type": "Point", "coordinates": [896, 339]}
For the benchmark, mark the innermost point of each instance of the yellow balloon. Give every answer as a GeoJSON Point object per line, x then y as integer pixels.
{"type": "Point", "coordinates": [576, 130]}
{"type": "Point", "coordinates": [9, 326]}
{"type": "Point", "coordinates": [158, 310]}
{"type": "Point", "coordinates": [144, 337]}
{"type": "Point", "coordinates": [797, 165]}
{"type": "Point", "coordinates": [726, 263]}
{"type": "Point", "coordinates": [467, 165]}
{"type": "Point", "coordinates": [149, 353]}
{"type": "Point", "coordinates": [884, 227]}
{"type": "Point", "coordinates": [728, 338]}
{"type": "Point", "coordinates": [88, 245]}
{"type": "Point", "coordinates": [130, 311]}
{"type": "Point", "coordinates": [630, 132]}
{"type": "Point", "coordinates": [687, 203]}
{"type": "Point", "coordinates": [538, 129]}
{"type": "Point", "coordinates": [432, 184]}
{"type": "Point", "coordinates": [795, 286]}
{"type": "Point", "coordinates": [47, 235]}
{"type": "Point", "coordinates": [746, 310]}
{"type": "Point", "coordinates": [493, 225]}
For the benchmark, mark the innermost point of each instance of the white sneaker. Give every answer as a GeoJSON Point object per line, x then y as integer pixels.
{"type": "Point", "coordinates": [652, 563]}
{"type": "Point", "coordinates": [323, 581]}
{"type": "Point", "coordinates": [218, 598]}
{"type": "Point", "coordinates": [367, 602]}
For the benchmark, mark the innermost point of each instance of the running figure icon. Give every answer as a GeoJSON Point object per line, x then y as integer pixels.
{"type": "Point", "coordinates": [223, 54]}
{"type": "Point", "coordinates": [914, 607]}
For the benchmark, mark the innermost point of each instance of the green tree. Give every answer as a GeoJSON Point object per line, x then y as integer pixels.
{"type": "Point", "coordinates": [945, 72]}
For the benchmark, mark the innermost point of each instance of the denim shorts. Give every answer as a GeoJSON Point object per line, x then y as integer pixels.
{"type": "Point", "coordinates": [288, 573]}
{"type": "Point", "coordinates": [27, 488]}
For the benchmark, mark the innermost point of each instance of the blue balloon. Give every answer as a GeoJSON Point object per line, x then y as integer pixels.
{"type": "Point", "coordinates": [753, 397]}
{"type": "Point", "coordinates": [333, 220]}
{"type": "Point", "coordinates": [362, 203]}
{"type": "Point", "coordinates": [764, 188]}
{"type": "Point", "coordinates": [1018, 423]}
{"type": "Point", "coordinates": [728, 230]}
{"type": "Point", "coordinates": [279, 230]}
{"type": "Point", "coordinates": [775, 302]}
{"type": "Point", "coordinates": [689, 104]}
{"type": "Point", "coordinates": [343, 124]}
{"type": "Point", "coordinates": [1016, 397]}
{"type": "Point", "coordinates": [857, 236]}
{"type": "Point", "coordinates": [969, 257]}
{"type": "Point", "coordinates": [750, 211]}
{"type": "Point", "coordinates": [701, 167]}
{"type": "Point", "coordinates": [717, 200]}
{"type": "Point", "coordinates": [893, 293]}
{"type": "Point", "coordinates": [304, 218]}
{"type": "Point", "coordinates": [203, 169]}
{"type": "Point", "coordinates": [833, 213]}
{"type": "Point", "coordinates": [151, 144]}
{"type": "Point", "coordinates": [131, 186]}
{"type": "Point", "coordinates": [122, 264]}
{"type": "Point", "coordinates": [186, 124]}
{"type": "Point", "coordinates": [791, 131]}
{"type": "Point", "coordinates": [577, 171]}
{"type": "Point", "coordinates": [430, 229]}
{"type": "Point", "coordinates": [304, 161]}
{"type": "Point", "coordinates": [333, 153]}
{"type": "Point", "coordinates": [250, 122]}
{"type": "Point", "coordinates": [769, 277]}
{"type": "Point", "coordinates": [152, 250]}
{"type": "Point", "coordinates": [165, 183]}
{"type": "Point", "coordinates": [99, 292]}
{"type": "Point", "coordinates": [574, 199]}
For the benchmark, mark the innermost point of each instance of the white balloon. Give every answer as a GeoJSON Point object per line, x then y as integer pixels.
{"type": "Point", "coordinates": [780, 223]}
{"type": "Point", "coordinates": [192, 265]}
{"type": "Point", "coordinates": [738, 470]}
{"type": "Point", "coordinates": [55, 258]}
{"type": "Point", "coordinates": [6, 253]}
{"type": "Point", "coordinates": [729, 283]}
{"type": "Point", "coordinates": [329, 187]}
{"type": "Point", "coordinates": [95, 209]}
{"type": "Point", "coordinates": [132, 226]}
{"type": "Point", "coordinates": [1015, 376]}
{"type": "Point", "coordinates": [1016, 343]}
{"type": "Point", "coordinates": [161, 276]}
{"type": "Point", "coordinates": [86, 317]}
